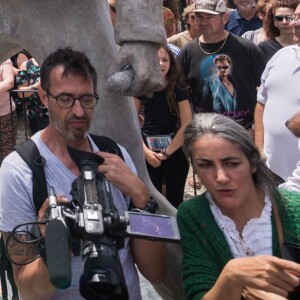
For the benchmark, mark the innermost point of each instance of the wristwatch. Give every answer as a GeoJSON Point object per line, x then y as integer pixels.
{"type": "Point", "coordinates": [151, 207]}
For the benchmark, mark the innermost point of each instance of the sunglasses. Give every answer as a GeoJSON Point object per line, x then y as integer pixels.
{"type": "Point", "coordinates": [280, 18]}
{"type": "Point", "coordinates": [222, 67]}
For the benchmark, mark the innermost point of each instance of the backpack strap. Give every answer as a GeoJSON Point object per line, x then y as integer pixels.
{"type": "Point", "coordinates": [31, 155]}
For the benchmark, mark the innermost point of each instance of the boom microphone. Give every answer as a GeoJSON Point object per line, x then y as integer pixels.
{"type": "Point", "coordinates": [58, 254]}
{"type": "Point", "coordinates": [57, 247]}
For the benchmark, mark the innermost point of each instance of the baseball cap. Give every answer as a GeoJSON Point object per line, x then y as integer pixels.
{"type": "Point", "coordinates": [214, 7]}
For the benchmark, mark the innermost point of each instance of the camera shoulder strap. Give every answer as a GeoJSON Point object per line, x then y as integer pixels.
{"type": "Point", "coordinates": [31, 155]}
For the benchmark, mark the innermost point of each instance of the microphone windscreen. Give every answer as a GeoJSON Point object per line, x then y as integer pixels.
{"type": "Point", "coordinates": [58, 254]}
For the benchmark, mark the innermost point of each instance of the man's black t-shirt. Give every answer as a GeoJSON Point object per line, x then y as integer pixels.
{"type": "Point", "coordinates": [159, 120]}
{"type": "Point", "coordinates": [247, 65]}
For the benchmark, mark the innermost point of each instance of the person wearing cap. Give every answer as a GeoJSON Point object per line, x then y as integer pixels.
{"type": "Point", "coordinates": [197, 62]}
{"type": "Point", "coordinates": [244, 18]}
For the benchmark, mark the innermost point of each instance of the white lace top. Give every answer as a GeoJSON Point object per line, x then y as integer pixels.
{"type": "Point", "coordinates": [256, 238]}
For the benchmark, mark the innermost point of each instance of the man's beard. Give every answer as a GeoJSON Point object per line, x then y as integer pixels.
{"type": "Point", "coordinates": [75, 135]}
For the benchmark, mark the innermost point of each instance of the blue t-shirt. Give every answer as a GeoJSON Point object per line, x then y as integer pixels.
{"type": "Point", "coordinates": [238, 25]}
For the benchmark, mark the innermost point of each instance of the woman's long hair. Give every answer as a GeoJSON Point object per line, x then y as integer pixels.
{"type": "Point", "coordinates": [172, 78]}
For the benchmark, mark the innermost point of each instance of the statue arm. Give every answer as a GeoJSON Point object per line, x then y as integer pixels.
{"type": "Point", "coordinates": [139, 20]}
{"type": "Point", "coordinates": [139, 30]}
{"type": "Point", "coordinates": [150, 258]}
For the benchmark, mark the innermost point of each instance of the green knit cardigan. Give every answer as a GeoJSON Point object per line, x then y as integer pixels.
{"type": "Point", "coordinates": [205, 249]}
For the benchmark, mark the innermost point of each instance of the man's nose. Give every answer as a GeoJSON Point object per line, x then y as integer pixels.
{"type": "Point", "coordinates": [77, 108]}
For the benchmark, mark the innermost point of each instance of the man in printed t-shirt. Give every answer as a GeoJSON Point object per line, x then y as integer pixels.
{"type": "Point", "coordinates": [197, 59]}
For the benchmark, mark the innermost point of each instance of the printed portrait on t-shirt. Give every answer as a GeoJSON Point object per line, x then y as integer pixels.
{"type": "Point", "coordinates": [218, 89]}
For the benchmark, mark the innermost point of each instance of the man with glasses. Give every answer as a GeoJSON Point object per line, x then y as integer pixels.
{"type": "Point", "coordinates": [277, 101]}
{"type": "Point", "coordinates": [68, 90]}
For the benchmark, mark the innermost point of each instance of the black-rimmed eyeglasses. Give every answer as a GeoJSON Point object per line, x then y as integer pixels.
{"type": "Point", "coordinates": [68, 100]}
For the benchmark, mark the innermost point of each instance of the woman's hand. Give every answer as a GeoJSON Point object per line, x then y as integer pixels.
{"type": "Point", "coordinates": [152, 158]}
{"type": "Point", "coordinates": [267, 273]}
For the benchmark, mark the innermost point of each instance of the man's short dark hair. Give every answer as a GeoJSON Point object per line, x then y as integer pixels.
{"type": "Point", "coordinates": [73, 62]}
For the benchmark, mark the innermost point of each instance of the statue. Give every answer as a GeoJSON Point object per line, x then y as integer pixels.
{"type": "Point", "coordinates": [43, 26]}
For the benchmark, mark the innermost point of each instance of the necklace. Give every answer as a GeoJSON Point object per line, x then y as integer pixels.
{"type": "Point", "coordinates": [214, 52]}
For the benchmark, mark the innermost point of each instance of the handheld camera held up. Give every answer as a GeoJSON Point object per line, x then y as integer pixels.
{"type": "Point", "coordinates": [94, 222]}
{"type": "Point", "coordinates": [90, 225]}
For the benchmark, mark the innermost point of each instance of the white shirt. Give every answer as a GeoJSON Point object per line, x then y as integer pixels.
{"type": "Point", "coordinates": [256, 238]}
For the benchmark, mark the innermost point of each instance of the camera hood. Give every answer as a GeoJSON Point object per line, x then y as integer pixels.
{"type": "Point", "coordinates": [85, 161]}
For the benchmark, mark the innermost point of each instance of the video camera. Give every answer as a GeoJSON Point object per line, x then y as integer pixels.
{"type": "Point", "coordinates": [93, 224]}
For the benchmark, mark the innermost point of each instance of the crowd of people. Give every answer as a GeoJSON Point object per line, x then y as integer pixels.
{"type": "Point", "coordinates": [228, 110]}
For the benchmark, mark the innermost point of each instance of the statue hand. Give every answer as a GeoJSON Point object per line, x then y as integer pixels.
{"type": "Point", "coordinates": [137, 70]}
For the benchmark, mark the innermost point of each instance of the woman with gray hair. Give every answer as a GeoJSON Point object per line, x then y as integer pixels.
{"type": "Point", "coordinates": [232, 234]}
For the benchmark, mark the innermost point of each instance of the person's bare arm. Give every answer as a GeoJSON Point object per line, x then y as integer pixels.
{"type": "Point", "coordinates": [259, 128]}
{"type": "Point", "coordinates": [31, 279]}
{"type": "Point", "coordinates": [185, 112]}
{"type": "Point", "coordinates": [152, 157]}
{"type": "Point", "coordinates": [8, 78]}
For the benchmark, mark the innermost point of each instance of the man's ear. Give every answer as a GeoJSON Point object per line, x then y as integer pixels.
{"type": "Point", "coordinates": [225, 16]}
{"type": "Point", "coordinates": [43, 96]}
